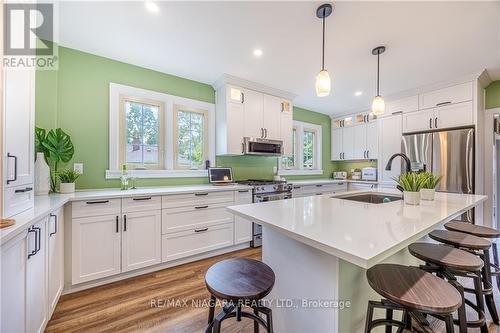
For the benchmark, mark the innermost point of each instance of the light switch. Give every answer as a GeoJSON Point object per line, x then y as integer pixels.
{"type": "Point", "coordinates": [78, 167]}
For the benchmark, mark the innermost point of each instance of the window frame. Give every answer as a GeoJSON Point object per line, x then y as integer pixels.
{"type": "Point", "coordinates": [175, 131]}
{"type": "Point", "coordinates": [161, 132]}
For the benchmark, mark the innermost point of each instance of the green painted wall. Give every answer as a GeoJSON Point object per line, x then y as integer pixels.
{"type": "Point", "coordinates": [493, 95]}
{"type": "Point", "coordinates": [76, 98]}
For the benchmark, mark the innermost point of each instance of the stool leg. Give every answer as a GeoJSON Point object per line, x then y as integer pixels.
{"type": "Point", "coordinates": [211, 309]}
{"type": "Point", "coordinates": [238, 312]}
{"type": "Point", "coordinates": [269, 319]}
{"type": "Point", "coordinates": [388, 316]}
{"type": "Point", "coordinates": [369, 317]}
{"type": "Point", "coordinates": [495, 261]}
{"type": "Point", "coordinates": [490, 301]}
{"type": "Point", "coordinates": [462, 319]}
{"type": "Point", "coordinates": [255, 323]}
{"type": "Point", "coordinates": [449, 324]}
{"type": "Point", "coordinates": [480, 300]}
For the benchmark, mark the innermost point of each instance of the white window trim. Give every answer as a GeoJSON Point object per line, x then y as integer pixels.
{"type": "Point", "coordinates": [115, 90]}
{"type": "Point", "coordinates": [318, 161]}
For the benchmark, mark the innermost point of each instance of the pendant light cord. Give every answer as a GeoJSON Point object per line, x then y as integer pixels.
{"type": "Point", "coordinates": [378, 73]}
{"type": "Point", "coordinates": [323, 54]}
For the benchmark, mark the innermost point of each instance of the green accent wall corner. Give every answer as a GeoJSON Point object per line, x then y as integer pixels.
{"type": "Point", "coordinates": [493, 95]}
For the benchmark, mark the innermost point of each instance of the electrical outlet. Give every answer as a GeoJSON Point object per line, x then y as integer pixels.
{"type": "Point", "coordinates": [78, 167]}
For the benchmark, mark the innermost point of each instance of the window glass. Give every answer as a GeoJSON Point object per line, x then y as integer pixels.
{"type": "Point", "coordinates": [308, 150]}
{"type": "Point", "coordinates": [288, 162]}
{"type": "Point", "coordinates": [190, 139]}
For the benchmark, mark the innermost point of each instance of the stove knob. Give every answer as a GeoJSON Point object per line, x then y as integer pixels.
{"type": "Point", "coordinates": [275, 187]}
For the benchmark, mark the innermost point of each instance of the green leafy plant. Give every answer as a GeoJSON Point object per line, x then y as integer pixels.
{"type": "Point", "coordinates": [67, 176]}
{"type": "Point", "coordinates": [57, 148]}
{"type": "Point", "coordinates": [431, 181]}
{"type": "Point", "coordinates": [411, 181]}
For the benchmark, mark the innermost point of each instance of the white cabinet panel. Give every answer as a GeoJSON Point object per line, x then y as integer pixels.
{"type": "Point", "coordinates": [55, 241]}
{"type": "Point", "coordinates": [360, 186]}
{"type": "Point", "coordinates": [455, 115]}
{"type": "Point", "coordinates": [272, 115]}
{"type": "Point", "coordinates": [242, 227]}
{"type": "Point", "coordinates": [450, 95]}
{"type": "Point", "coordinates": [390, 132]}
{"type": "Point", "coordinates": [254, 114]}
{"type": "Point", "coordinates": [141, 239]}
{"type": "Point", "coordinates": [404, 105]}
{"type": "Point", "coordinates": [337, 144]}
{"type": "Point", "coordinates": [18, 199]}
{"type": "Point", "coordinates": [13, 285]}
{"type": "Point", "coordinates": [359, 151]}
{"type": "Point", "coordinates": [418, 121]}
{"type": "Point", "coordinates": [348, 143]}
{"type": "Point", "coordinates": [196, 199]}
{"type": "Point", "coordinates": [98, 207]}
{"type": "Point", "coordinates": [372, 140]}
{"type": "Point", "coordinates": [140, 204]}
{"type": "Point", "coordinates": [235, 126]}
{"type": "Point", "coordinates": [36, 279]}
{"type": "Point", "coordinates": [196, 217]}
{"type": "Point", "coordinates": [286, 133]}
{"type": "Point", "coordinates": [96, 247]}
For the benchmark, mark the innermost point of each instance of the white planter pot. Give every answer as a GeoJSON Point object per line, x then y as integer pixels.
{"type": "Point", "coordinates": [67, 188]}
{"type": "Point", "coordinates": [412, 198]}
{"type": "Point", "coordinates": [42, 175]}
{"type": "Point", "coordinates": [427, 194]}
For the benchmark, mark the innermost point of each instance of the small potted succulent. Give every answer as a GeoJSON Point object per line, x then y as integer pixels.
{"type": "Point", "coordinates": [411, 183]}
{"type": "Point", "coordinates": [67, 178]}
{"type": "Point", "coordinates": [428, 190]}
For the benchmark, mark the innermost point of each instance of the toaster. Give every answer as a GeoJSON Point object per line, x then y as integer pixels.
{"type": "Point", "coordinates": [369, 173]}
{"type": "Point", "coordinates": [340, 175]}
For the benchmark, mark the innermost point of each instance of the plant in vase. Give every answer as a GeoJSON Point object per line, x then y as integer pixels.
{"type": "Point", "coordinates": [411, 183]}
{"type": "Point", "coordinates": [428, 190]}
{"type": "Point", "coordinates": [67, 178]}
{"type": "Point", "coordinates": [42, 169]}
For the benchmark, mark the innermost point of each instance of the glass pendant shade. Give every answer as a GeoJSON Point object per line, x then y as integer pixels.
{"type": "Point", "coordinates": [323, 83]}
{"type": "Point", "coordinates": [378, 105]}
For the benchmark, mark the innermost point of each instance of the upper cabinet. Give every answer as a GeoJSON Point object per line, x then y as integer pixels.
{"type": "Point", "coordinates": [354, 137]}
{"type": "Point", "coordinates": [244, 112]}
{"type": "Point", "coordinates": [403, 105]}
{"type": "Point", "coordinates": [450, 95]}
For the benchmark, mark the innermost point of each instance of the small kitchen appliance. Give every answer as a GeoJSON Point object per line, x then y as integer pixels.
{"type": "Point", "coordinates": [356, 174]}
{"type": "Point", "coordinates": [342, 175]}
{"type": "Point", "coordinates": [266, 147]}
{"type": "Point", "coordinates": [369, 173]}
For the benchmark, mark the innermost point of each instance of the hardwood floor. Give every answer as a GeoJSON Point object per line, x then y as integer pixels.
{"type": "Point", "coordinates": [135, 305]}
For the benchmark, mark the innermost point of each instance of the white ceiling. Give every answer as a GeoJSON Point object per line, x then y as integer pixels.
{"type": "Point", "coordinates": [426, 42]}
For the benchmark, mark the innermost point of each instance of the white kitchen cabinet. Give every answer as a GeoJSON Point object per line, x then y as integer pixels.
{"type": "Point", "coordinates": [242, 227]}
{"type": "Point", "coordinates": [403, 105]}
{"type": "Point", "coordinates": [449, 95]}
{"type": "Point", "coordinates": [55, 254]}
{"type": "Point", "coordinates": [359, 151]}
{"type": "Point", "coordinates": [299, 191]}
{"type": "Point", "coordinates": [18, 158]}
{"type": "Point", "coordinates": [348, 143]}
{"type": "Point", "coordinates": [345, 121]}
{"type": "Point", "coordinates": [96, 247]}
{"type": "Point", "coordinates": [141, 239]}
{"type": "Point", "coordinates": [361, 186]}
{"type": "Point", "coordinates": [390, 132]}
{"type": "Point", "coordinates": [272, 117]}
{"type": "Point", "coordinates": [447, 116]}
{"type": "Point", "coordinates": [13, 284]}
{"type": "Point", "coordinates": [253, 102]}
{"type": "Point", "coordinates": [286, 132]}
{"type": "Point", "coordinates": [418, 121]}
{"type": "Point", "coordinates": [36, 278]}
{"type": "Point", "coordinates": [372, 140]}
{"type": "Point", "coordinates": [337, 144]}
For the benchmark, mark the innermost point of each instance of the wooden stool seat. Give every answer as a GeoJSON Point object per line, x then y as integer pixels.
{"type": "Point", "coordinates": [460, 239]}
{"type": "Point", "coordinates": [469, 228]}
{"type": "Point", "coordinates": [414, 288]}
{"type": "Point", "coordinates": [446, 256]}
{"type": "Point", "coordinates": [240, 279]}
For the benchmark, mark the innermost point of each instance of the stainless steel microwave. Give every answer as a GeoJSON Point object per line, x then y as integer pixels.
{"type": "Point", "coordinates": [267, 147]}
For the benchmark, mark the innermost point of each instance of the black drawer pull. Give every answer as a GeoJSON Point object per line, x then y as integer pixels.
{"type": "Point", "coordinates": [55, 225]}
{"type": "Point", "coordinates": [244, 191]}
{"type": "Point", "coordinates": [319, 193]}
{"type": "Point", "coordinates": [9, 155]}
{"type": "Point", "coordinates": [32, 229]}
{"type": "Point", "coordinates": [97, 202]}
{"type": "Point", "coordinates": [200, 207]}
{"type": "Point", "coordinates": [27, 189]}
{"type": "Point", "coordinates": [200, 230]}
{"type": "Point", "coordinates": [296, 187]}
{"type": "Point", "coordinates": [124, 222]}
{"type": "Point", "coordinates": [141, 199]}
{"type": "Point", "coordinates": [319, 185]}
{"type": "Point", "coordinates": [200, 194]}
{"type": "Point", "coordinates": [117, 228]}
{"type": "Point", "coordinates": [443, 103]}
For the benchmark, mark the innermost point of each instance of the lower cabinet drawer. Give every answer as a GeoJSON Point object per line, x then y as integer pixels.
{"type": "Point", "coordinates": [98, 207]}
{"type": "Point", "coordinates": [189, 218]}
{"type": "Point", "coordinates": [198, 198]}
{"type": "Point", "coordinates": [190, 242]}
{"type": "Point", "coordinates": [18, 199]}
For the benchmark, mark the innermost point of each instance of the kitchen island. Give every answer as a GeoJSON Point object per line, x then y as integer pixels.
{"type": "Point", "coordinates": [320, 247]}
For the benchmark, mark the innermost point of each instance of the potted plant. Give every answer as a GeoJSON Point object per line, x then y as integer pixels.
{"type": "Point", "coordinates": [428, 190]}
{"type": "Point", "coordinates": [67, 178]}
{"type": "Point", "coordinates": [411, 183]}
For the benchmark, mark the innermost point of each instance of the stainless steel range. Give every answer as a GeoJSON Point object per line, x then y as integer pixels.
{"type": "Point", "coordinates": [266, 190]}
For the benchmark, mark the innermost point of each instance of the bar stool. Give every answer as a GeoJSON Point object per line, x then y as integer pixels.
{"type": "Point", "coordinates": [480, 247]}
{"type": "Point", "coordinates": [484, 232]}
{"type": "Point", "coordinates": [448, 263]}
{"type": "Point", "coordinates": [414, 292]}
{"type": "Point", "coordinates": [238, 282]}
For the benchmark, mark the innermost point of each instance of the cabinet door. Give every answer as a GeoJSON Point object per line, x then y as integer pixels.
{"type": "Point", "coordinates": [455, 115]}
{"type": "Point", "coordinates": [404, 105]}
{"type": "Point", "coordinates": [272, 117]}
{"type": "Point", "coordinates": [286, 133]}
{"type": "Point", "coordinates": [372, 140]}
{"type": "Point", "coordinates": [36, 280]}
{"type": "Point", "coordinates": [141, 240]}
{"type": "Point", "coordinates": [337, 145]}
{"type": "Point", "coordinates": [359, 151]}
{"type": "Point", "coordinates": [390, 132]}
{"type": "Point", "coordinates": [95, 247]}
{"type": "Point", "coordinates": [242, 227]}
{"type": "Point", "coordinates": [55, 241]}
{"type": "Point", "coordinates": [450, 95]}
{"type": "Point", "coordinates": [348, 142]}
{"type": "Point", "coordinates": [254, 115]}
{"type": "Point", "coordinates": [235, 126]}
{"type": "Point", "coordinates": [418, 121]}
{"type": "Point", "coordinates": [19, 128]}
{"type": "Point", "coordinates": [13, 285]}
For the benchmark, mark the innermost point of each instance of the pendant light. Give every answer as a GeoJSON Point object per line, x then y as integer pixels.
{"type": "Point", "coordinates": [323, 81]}
{"type": "Point", "coordinates": [378, 104]}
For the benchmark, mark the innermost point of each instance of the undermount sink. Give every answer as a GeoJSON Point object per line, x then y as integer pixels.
{"type": "Point", "coordinates": [370, 198]}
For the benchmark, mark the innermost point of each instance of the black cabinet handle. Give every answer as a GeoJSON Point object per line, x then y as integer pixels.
{"type": "Point", "coordinates": [200, 230]}
{"type": "Point", "coordinates": [435, 122]}
{"type": "Point", "coordinates": [39, 235]}
{"type": "Point", "coordinates": [200, 194]}
{"type": "Point", "coordinates": [200, 207]}
{"type": "Point", "coordinates": [27, 189]}
{"type": "Point", "coordinates": [244, 191]}
{"type": "Point", "coordinates": [443, 103]}
{"type": "Point", "coordinates": [319, 185]}
{"type": "Point", "coordinates": [141, 199]}
{"type": "Point", "coordinates": [367, 154]}
{"type": "Point", "coordinates": [97, 202]}
{"type": "Point", "coordinates": [296, 187]}
{"type": "Point", "coordinates": [242, 98]}
{"type": "Point", "coordinates": [319, 193]}
{"type": "Point", "coordinates": [282, 106]}
{"type": "Point", "coordinates": [9, 155]}
{"type": "Point", "coordinates": [124, 222]}
{"type": "Point", "coordinates": [117, 227]}
{"type": "Point", "coordinates": [430, 122]}
{"type": "Point", "coordinates": [55, 225]}
{"type": "Point", "coordinates": [33, 252]}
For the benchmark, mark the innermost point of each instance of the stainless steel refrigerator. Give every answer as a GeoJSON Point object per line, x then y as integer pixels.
{"type": "Point", "coordinates": [447, 153]}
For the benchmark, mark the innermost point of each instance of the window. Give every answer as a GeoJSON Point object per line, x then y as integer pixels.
{"type": "Point", "coordinates": [190, 138]}
{"type": "Point", "coordinates": [306, 159]}
{"type": "Point", "coordinates": [141, 144]}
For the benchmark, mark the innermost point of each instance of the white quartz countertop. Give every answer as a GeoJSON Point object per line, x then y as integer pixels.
{"type": "Point", "coordinates": [361, 233]}
{"type": "Point", "coordinates": [44, 205]}
{"type": "Point", "coordinates": [306, 182]}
